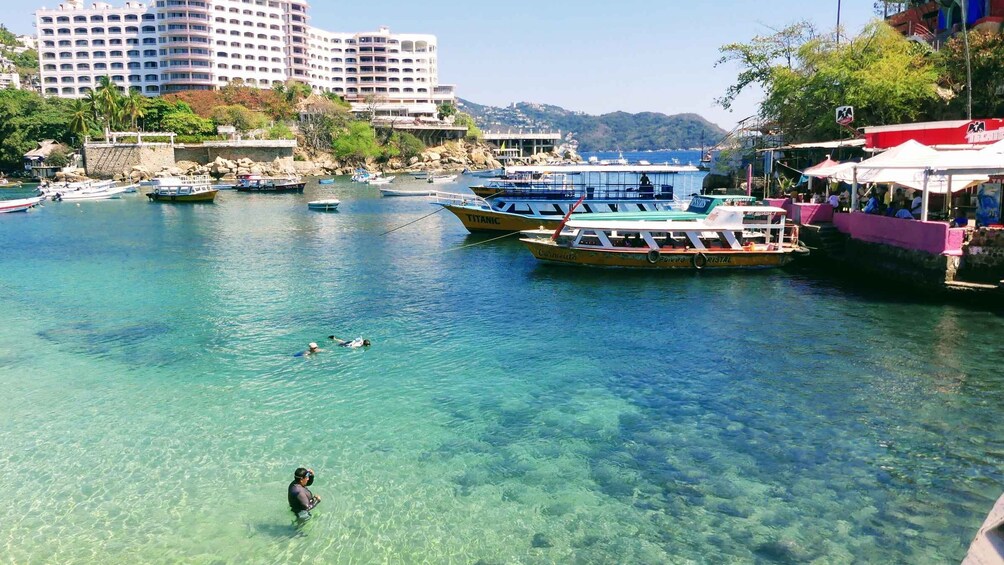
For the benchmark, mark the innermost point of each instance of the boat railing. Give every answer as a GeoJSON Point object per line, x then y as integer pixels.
{"type": "Point", "coordinates": [457, 199]}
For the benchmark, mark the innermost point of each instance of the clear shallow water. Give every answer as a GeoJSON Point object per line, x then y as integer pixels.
{"type": "Point", "coordinates": [507, 412]}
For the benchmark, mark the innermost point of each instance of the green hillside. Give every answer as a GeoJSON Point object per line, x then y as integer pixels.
{"type": "Point", "coordinates": [617, 130]}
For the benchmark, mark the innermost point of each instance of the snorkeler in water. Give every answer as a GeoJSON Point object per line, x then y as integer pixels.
{"type": "Point", "coordinates": [358, 342]}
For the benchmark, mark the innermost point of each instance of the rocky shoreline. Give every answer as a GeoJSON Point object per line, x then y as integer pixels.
{"type": "Point", "coordinates": [452, 156]}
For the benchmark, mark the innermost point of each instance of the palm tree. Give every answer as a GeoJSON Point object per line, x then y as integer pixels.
{"type": "Point", "coordinates": [80, 119]}
{"type": "Point", "coordinates": [134, 107]}
{"type": "Point", "coordinates": [109, 102]}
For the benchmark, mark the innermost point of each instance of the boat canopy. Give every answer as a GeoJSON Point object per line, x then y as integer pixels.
{"type": "Point", "coordinates": [558, 169]}
{"type": "Point", "coordinates": [722, 217]}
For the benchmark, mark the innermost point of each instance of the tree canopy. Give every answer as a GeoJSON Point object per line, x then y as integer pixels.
{"type": "Point", "coordinates": [886, 77]}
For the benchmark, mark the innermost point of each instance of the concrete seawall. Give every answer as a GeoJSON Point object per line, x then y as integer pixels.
{"type": "Point", "coordinates": [108, 160]}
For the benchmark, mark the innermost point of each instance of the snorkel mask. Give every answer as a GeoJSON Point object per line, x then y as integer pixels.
{"type": "Point", "coordinates": [310, 478]}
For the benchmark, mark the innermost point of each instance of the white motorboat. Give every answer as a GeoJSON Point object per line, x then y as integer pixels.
{"type": "Point", "coordinates": [441, 179]}
{"type": "Point", "coordinates": [403, 192]}
{"type": "Point", "coordinates": [19, 205]}
{"type": "Point", "coordinates": [195, 188]}
{"type": "Point", "coordinates": [380, 180]}
{"type": "Point", "coordinates": [85, 190]}
{"type": "Point", "coordinates": [328, 205]}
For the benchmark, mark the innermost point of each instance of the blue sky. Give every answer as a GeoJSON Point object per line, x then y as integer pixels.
{"type": "Point", "coordinates": [590, 56]}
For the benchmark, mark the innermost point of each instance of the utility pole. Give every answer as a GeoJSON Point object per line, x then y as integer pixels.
{"type": "Point", "coordinates": [838, 22]}
{"type": "Point", "coordinates": [969, 66]}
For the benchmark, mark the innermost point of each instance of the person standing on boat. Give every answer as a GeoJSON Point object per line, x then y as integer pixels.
{"type": "Point", "coordinates": [301, 500]}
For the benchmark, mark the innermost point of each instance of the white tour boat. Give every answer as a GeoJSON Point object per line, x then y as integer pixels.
{"type": "Point", "coordinates": [730, 237]}
{"type": "Point", "coordinates": [196, 188]}
{"type": "Point", "coordinates": [551, 192]}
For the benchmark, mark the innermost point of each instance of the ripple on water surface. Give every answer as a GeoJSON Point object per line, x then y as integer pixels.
{"type": "Point", "coordinates": [507, 412]}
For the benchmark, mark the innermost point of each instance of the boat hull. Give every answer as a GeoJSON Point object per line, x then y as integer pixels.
{"type": "Point", "coordinates": [286, 188]}
{"type": "Point", "coordinates": [206, 196]}
{"type": "Point", "coordinates": [323, 205]}
{"type": "Point", "coordinates": [483, 220]}
{"type": "Point", "coordinates": [20, 205]}
{"type": "Point", "coordinates": [680, 260]}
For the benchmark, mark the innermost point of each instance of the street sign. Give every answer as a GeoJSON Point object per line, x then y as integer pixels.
{"type": "Point", "coordinates": [845, 115]}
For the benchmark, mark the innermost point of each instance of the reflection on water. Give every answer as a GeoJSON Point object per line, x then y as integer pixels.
{"type": "Point", "coordinates": [507, 411]}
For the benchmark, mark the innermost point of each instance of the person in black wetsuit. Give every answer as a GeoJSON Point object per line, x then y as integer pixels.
{"type": "Point", "coordinates": [301, 500]}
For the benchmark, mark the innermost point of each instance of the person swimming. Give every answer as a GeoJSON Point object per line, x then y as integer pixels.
{"type": "Point", "coordinates": [358, 342]}
{"type": "Point", "coordinates": [312, 348]}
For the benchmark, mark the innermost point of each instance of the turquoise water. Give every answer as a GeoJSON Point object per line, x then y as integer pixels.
{"type": "Point", "coordinates": [508, 412]}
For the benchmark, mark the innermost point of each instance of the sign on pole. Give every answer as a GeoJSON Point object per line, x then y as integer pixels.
{"type": "Point", "coordinates": [845, 115]}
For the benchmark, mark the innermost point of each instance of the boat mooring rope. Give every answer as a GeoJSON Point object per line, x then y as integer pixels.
{"type": "Point", "coordinates": [413, 221]}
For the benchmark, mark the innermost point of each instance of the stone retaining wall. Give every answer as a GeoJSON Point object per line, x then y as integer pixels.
{"type": "Point", "coordinates": [913, 267]}
{"type": "Point", "coordinates": [107, 161]}
{"type": "Point", "coordinates": [983, 256]}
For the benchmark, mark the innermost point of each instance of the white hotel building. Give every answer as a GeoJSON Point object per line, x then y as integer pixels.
{"type": "Point", "coordinates": [172, 45]}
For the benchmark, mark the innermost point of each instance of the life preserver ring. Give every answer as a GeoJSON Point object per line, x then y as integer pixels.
{"type": "Point", "coordinates": [653, 256]}
{"type": "Point", "coordinates": [699, 261]}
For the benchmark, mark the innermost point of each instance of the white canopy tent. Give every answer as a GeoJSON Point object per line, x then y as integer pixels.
{"type": "Point", "coordinates": [904, 165]}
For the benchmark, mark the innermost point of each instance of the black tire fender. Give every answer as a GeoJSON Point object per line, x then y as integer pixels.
{"type": "Point", "coordinates": [653, 256]}
{"type": "Point", "coordinates": [699, 261]}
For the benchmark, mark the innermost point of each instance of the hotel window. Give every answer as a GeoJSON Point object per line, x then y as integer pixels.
{"type": "Point", "coordinates": [117, 66]}
{"type": "Point", "coordinates": [62, 20]}
{"type": "Point", "coordinates": [115, 54]}
{"type": "Point", "coordinates": [84, 79]}
{"type": "Point", "coordinates": [114, 29]}
{"type": "Point", "coordinates": [46, 20]}
{"type": "Point", "coordinates": [66, 67]}
{"type": "Point", "coordinates": [100, 66]}
{"type": "Point", "coordinates": [65, 43]}
{"type": "Point", "coordinates": [80, 43]}
{"type": "Point", "coordinates": [49, 67]}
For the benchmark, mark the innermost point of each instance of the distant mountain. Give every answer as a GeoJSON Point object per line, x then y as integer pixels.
{"type": "Point", "coordinates": [618, 130]}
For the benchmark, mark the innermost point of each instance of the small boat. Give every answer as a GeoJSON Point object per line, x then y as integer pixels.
{"type": "Point", "coordinates": [326, 181]}
{"type": "Point", "coordinates": [421, 175]}
{"type": "Point", "coordinates": [380, 180]}
{"type": "Point", "coordinates": [441, 179]}
{"type": "Point", "coordinates": [83, 190]}
{"type": "Point", "coordinates": [988, 545]}
{"type": "Point", "coordinates": [329, 205]}
{"type": "Point", "coordinates": [403, 192]}
{"type": "Point", "coordinates": [258, 183]}
{"type": "Point", "coordinates": [362, 175]}
{"type": "Point", "coordinates": [182, 189]}
{"type": "Point", "coordinates": [20, 205]}
{"type": "Point", "coordinates": [731, 237]}
{"type": "Point", "coordinates": [485, 173]}
{"type": "Point", "coordinates": [6, 183]}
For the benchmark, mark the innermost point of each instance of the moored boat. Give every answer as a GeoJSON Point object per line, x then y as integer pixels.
{"type": "Point", "coordinates": [328, 205]}
{"type": "Point", "coordinates": [82, 190]}
{"type": "Point", "coordinates": [441, 179]}
{"type": "Point", "coordinates": [404, 192]}
{"type": "Point", "coordinates": [326, 181]}
{"type": "Point", "coordinates": [20, 204]}
{"type": "Point", "coordinates": [730, 237]}
{"type": "Point", "coordinates": [527, 213]}
{"type": "Point", "coordinates": [258, 183]}
{"type": "Point", "coordinates": [182, 189]}
{"type": "Point", "coordinates": [380, 180]}
{"type": "Point", "coordinates": [6, 183]}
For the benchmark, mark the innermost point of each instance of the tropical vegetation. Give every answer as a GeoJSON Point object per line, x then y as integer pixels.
{"type": "Point", "coordinates": [885, 76]}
